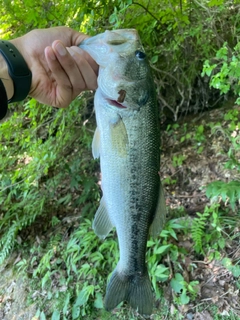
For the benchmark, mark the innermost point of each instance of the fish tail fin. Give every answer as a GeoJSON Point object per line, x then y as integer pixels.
{"type": "Point", "coordinates": [117, 290]}
{"type": "Point", "coordinates": [135, 289]}
{"type": "Point", "coordinates": [140, 295]}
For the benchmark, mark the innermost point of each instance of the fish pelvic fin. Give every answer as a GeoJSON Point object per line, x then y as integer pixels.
{"type": "Point", "coordinates": [102, 224]}
{"type": "Point", "coordinates": [135, 289]}
{"type": "Point", "coordinates": [96, 144]}
{"type": "Point", "coordinates": [160, 214]}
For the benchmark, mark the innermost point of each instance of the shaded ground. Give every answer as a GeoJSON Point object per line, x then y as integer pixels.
{"type": "Point", "coordinates": [185, 171]}
{"type": "Point", "coordinates": [194, 171]}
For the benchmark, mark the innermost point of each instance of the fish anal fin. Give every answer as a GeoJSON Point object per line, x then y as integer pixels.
{"type": "Point", "coordinates": [96, 144]}
{"type": "Point", "coordinates": [102, 224]}
{"type": "Point", "coordinates": [160, 214]}
{"type": "Point", "coordinates": [119, 137]}
{"type": "Point", "coordinates": [135, 289]}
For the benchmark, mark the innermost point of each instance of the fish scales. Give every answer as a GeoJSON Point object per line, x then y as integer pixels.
{"type": "Point", "coordinates": [128, 143]}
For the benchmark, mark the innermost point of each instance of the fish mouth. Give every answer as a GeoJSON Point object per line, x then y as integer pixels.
{"type": "Point", "coordinates": [116, 104]}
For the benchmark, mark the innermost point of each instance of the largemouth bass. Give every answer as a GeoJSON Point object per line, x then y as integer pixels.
{"type": "Point", "coordinates": [128, 143]}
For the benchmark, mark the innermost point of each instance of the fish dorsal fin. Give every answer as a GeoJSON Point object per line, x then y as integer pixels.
{"type": "Point", "coordinates": [160, 214]}
{"type": "Point", "coordinates": [96, 144]}
{"type": "Point", "coordinates": [119, 137]}
{"type": "Point", "coordinates": [102, 224]}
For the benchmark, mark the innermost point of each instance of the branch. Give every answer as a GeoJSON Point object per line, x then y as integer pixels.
{"type": "Point", "coordinates": [152, 15]}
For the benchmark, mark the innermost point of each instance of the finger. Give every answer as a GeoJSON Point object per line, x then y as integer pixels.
{"type": "Point", "coordinates": [61, 87]}
{"type": "Point", "coordinates": [70, 67]}
{"type": "Point", "coordinates": [90, 60]}
{"type": "Point", "coordinates": [55, 66]}
{"type": "Point", "coordinates": [88, 73]}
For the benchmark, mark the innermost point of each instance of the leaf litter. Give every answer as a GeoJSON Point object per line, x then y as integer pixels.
{"type": "Point", "coordinates": [184, 187]}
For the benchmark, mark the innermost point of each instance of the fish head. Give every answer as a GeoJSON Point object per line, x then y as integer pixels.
{"type": "Point", "coordinates": [124, 79]}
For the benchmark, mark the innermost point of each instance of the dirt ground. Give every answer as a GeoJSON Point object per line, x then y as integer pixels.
{"type": "Point", "coordinates": [217, 284]}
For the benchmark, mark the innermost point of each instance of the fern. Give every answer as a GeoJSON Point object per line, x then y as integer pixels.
{"type": "Point", "coordinates": [228, 192]}
{"type": "Point", "coordinates": [198, 229]}
{"type": "Point", "coordinates": [7, 242]}
{"type": "Point", "coordinates": [23, 218]}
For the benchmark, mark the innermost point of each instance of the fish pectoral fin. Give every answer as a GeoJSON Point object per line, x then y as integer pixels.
{"type": "Point", "coordinates": [96, 144]}
{"type": "Point", "coordinates": [119, 137]}
{"type": "Point", "coordinates": [102, 224]}
{"type": "Point", "coordinates": [160, 214]}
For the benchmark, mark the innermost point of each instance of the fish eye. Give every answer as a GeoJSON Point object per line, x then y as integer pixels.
{"type": "Point", "coordinates": [140, 55]}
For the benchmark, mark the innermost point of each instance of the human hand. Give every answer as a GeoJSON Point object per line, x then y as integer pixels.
{"type": "Point", "coordinates": [59, 75]}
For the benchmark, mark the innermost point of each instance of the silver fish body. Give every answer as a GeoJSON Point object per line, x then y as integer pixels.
{"type": "Point", "coordinates": [128, 143]}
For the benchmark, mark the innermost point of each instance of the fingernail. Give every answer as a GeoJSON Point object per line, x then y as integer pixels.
{"type": "Point", "coordinates": [61, 49]}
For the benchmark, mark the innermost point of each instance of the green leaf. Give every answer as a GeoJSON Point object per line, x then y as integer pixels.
{"type": "Point", "coordinates": [75, 312]}
{"type": "Point", "coordinates": [98, 302]}
{"type": "Point", "coordinates": [150, 243]}
{"type": "Point", "coordinates": [173, 233]}
{"type": "Point", "coordinates": [161, 272]}
{"type": "Point", "coordinates": [66, 303]}
{"type": "Point", "coordinates": [184, 299]}
{"type": "Point", "coordinates": [154, 59]}
{"type": "Point", "coordinates": [176, 225]}
{"type": "Point", "coordinates": [213, 3]}
{"type": "Point", "coordinates": [236, 271]}
{"type": "Point", "coordinates": [56, 315]}
{"type": "Point", "coordinates": [162, 249]}
{"type": "Point", "coordinates": [222, 53]}
{"type": "Point", "coordinates": [112, 18]}
{"type": "Point", "coordinates": [42, 316]}
{"type": "Point", "coordinates": [84, 295]}
{"type": "Point", "coordinates": [177, 283]}
{"type": "Point", "coordinates": [46, 278]}
{"type": "Point", "coordinates": [82, 298]}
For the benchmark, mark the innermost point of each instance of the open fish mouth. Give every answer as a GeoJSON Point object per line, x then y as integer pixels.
{"type": "Point", "coordinates": [118, 103]}
{"type": "Point", "coordinates": [115, 103]}
{"type": "Point", "coordinates": [112, 101]}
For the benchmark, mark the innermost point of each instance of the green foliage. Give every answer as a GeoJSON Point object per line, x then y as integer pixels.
{"type": "Point", "coordinates": [196, 138]}
{"type": "Point", "coordinates": [234, 268]}
{"type": "Point", "coordinates": [38, 169]}
{"type": "Point", "coordinates": [80, 267]}
{"type": "Point", "coordinates": [206, 230]}
{"type": "Point", "coordinates": [183, 290]}
{"type": "Point", "coordinates": [21, 16]}
{"type": "Point", "coordinates": [182, 37]}
{"type": "Point", "coordinates": [178, 160]}
{"type": "Point", "coordinates": [166, 247]}
{"type": "Point", "coordinates": [227, 192]}
{"type": "Point", "coordinates": [224, 75]}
